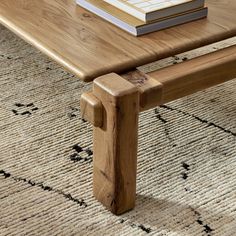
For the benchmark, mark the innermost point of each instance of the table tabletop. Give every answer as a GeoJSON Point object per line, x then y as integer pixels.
{"type": "Point", "coordinates": [89, 47]}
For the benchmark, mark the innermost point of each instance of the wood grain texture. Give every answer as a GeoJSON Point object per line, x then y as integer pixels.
{"type": "Point", "coordinates": [150, 90]}
{"type": "Point", "coordinates": [183, 79]}
{"type": "Point", "coordinates": [89, 46]}
{"type": "Point", "coordinates": [115, 144]}
{"type": "Point", "coordinates": [197, 74]}
{"type": "Point", "coordinates": [91, 109]}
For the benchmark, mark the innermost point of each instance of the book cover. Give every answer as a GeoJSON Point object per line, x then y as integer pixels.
{"type": "Point", "coordinates": [132, 24]}
{"type": "Point", "coordinates": [149, 10]}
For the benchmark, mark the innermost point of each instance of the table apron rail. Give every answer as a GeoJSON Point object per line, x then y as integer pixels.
{"type": "Point", "coordinates": [168, 84]}
{"type": "Point", "coordinates": [185, 78]}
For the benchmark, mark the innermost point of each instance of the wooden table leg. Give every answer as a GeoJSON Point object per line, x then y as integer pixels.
{"type": "Point", "coordinates": [115, 142]}
{"type": "Point", "coordinates": [113, 107]}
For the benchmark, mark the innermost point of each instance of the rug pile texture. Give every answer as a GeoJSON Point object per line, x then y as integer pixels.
{"type": "Point", "coordinates": [186, 183]}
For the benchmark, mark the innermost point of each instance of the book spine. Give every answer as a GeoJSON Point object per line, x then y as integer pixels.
{"type": "Point", "coordinates": [181, 19]}
{"type": "Point", "coordinates": [175, 10]}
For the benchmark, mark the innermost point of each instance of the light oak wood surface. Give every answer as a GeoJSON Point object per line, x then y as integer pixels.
{"type": "Point", "coordinates": [89, 46]}
{"type": "Point", "coordinates": [176, 81]}
{"type": "Point", "coordinates": [170, 83]}
{"type": "Point", "coordinates": [121, 98]}
{"type": "Point", "coordinates": [91, 109]}
{"type": "Point", "coordinates": [150, 89]}
{"type": "Point", "coordinates": [115, 143]}
{"type": "Point", "coordinates": [197, 74]}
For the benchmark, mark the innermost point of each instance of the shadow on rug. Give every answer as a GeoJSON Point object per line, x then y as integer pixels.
{"type": "Point", "coordinates": [186, 163]}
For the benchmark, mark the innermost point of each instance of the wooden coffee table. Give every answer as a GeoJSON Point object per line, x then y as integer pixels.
{"type": "Point", "coordinates": [91, 48]}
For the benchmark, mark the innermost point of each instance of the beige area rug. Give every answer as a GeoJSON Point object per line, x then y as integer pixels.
{"type": "Point", "coordinates": [186, 163]}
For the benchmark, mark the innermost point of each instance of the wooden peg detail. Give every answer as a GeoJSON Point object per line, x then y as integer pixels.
{"type": "Point", "coordinates": [115, 143]}
{"type": "Point", "coordinates": [91, 109]}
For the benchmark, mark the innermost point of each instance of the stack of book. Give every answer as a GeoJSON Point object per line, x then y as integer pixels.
{"type": "Point", "coordinates": [140, 17]}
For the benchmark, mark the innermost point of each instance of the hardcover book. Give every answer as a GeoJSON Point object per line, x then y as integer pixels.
{"type": "Point", "coordinates": [149, 10]}
{"type": "Point", "coordinates": [132, 24]}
